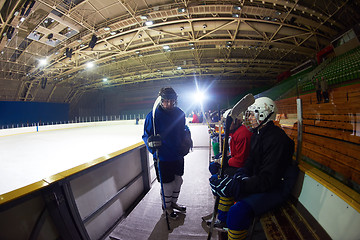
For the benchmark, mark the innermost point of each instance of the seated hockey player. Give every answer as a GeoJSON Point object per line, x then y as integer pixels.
{"type": "Point", "coordinates": [268, 176]}
{"type": "Point", "coordinates": [239, 143]}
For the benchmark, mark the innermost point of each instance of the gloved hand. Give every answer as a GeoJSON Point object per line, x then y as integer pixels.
{"type": "Point", "coordinates": [220, 187]}
{"type": "Point", "coordinates": [240, 174]}
{"type": "Point", "coordinates": [154, 141]}
{"type": "Point", "coordinates": [214, 167]}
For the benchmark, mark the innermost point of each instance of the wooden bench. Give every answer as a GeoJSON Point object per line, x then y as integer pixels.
{"type": "Point", "coordinates": [289, 222]}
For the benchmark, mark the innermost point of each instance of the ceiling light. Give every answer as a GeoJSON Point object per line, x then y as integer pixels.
{"type": "Point", "coordinates": [112, 33]}
{"type": "Point", "coordinates": [107, 28]}
{"type": "Point", "coordinates": [90, 64]}
{"type": "Point", "coordinates": [42, 62]}
{"type": "Point", "coordinates": [105, 79]}
{"type": "Point", "coordinates": [181, 28]}
{"type": "Point", "coordinates": [235, 15]}
{"type": "Point", "coordinates": [181, 10]}
{"type": "Point", "coordinates": [149, 23]}
{"type": "Point", "coordinates": [204, 26]}
{"type": "Point", "coordinates": [166, 47]}
{"type": "Point", "coordinates": [140, 35]}
{"type": "Point", "coordinates": [178, 68]}
{"type": "Point", "coordinates": [143, 17]}
{"type": "Point", "coordinates": [237, 7]}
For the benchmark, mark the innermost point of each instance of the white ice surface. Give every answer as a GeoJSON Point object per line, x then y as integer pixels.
{"type": "Point", "coordinates": [30, 157]}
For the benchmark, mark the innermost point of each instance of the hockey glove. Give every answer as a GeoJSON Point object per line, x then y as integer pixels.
{"type": "Point", "coordinates": [214, 168]}
{"type": "Point", "coordinates": [220, 187]}
{"type": "Point", "coordinates": [240, 174]}
{"type": "Point", "coordinates": [154, 142]}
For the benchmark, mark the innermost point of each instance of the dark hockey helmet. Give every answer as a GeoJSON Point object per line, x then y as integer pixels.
{"type": "Point", "coordinates": [168, 93]}
{"type": "Point", "coordinates": [168, 98]}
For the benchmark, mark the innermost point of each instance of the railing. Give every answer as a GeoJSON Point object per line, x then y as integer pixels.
{"type": "Point", "coordinates": [81, 119]}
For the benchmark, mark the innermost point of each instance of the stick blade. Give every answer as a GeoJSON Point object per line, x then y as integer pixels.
{"type": "Point", "coordinates": [227, 113]}
{"type": "Point", "coordinates": [242, 105]}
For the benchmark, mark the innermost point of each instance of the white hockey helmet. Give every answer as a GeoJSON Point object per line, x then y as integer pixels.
{"type": "Point", "coordinates": [264, 109]}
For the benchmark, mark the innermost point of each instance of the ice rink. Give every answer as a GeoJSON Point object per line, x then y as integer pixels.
{"type": "Point", "coordinates": [33, 156]}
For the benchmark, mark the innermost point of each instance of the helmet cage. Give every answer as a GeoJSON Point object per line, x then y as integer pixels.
{"type": "Point", "coordinates": [264, 110]}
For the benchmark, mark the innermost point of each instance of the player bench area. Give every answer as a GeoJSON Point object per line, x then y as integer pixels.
{"type": "Point", "coordinates": [330, 142]}
{"type": "Point", "coordinates": [290, 221]}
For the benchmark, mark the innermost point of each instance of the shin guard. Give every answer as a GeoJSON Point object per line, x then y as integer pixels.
{"type": "Point", "coordinates": [176, 188]}
{"type": "Point", "coordinates": [223, 208]}
{"type": "Point", "coordinates": [168, 190]}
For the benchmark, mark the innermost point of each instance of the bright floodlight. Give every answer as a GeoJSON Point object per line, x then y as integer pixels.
{"type": "Point", "coordinates": [199, 97]}
{"type": "Point", "coordinates": [105, 79]}
{"type": "Point", "coordinates": [90, 65]}
{"type": "Point", "coordinates": [42, 62]}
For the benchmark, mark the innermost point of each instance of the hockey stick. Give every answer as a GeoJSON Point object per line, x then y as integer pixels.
{"type": "Point", "coordinates": [229, 115]}
{"type": "Point", "coordinates": [156, 104]}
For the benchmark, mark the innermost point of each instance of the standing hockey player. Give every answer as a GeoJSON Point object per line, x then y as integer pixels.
{"type": "Point", "coordinates": [268, 176]}
{"type": "Point", "coordinates": [169, 121]}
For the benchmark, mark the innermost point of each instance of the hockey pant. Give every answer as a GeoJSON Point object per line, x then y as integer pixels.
{"type": "Point", "coordinates": [239, 219]}
{"type": "Point", "coordinates": [172, 190]}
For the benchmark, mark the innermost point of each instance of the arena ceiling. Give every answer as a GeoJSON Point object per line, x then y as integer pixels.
{"type": "Point", "coordinates": [245, 43]}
